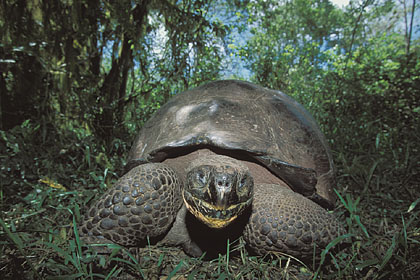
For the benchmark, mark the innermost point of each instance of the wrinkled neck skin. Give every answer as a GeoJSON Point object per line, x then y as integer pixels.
{"type": "Point", "coordinates": [195, 237]}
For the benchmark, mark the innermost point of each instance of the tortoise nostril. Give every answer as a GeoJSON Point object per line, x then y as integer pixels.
{"type": "Point", "coordinates": [223, 183]}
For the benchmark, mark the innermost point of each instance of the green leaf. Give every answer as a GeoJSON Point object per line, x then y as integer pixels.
{"type": "Point", "coordinates": [175, 270]}
{"type": "Point", "coordinates": [413, 205]}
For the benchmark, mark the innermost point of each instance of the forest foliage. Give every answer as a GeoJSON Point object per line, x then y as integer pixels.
{"type": "Point", "coordinates": [79, 78]}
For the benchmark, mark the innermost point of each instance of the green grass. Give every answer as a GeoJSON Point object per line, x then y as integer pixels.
{"type": "Point", "coordinates": [378, 202]}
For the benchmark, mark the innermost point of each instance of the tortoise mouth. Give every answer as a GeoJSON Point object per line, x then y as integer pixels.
{"type": "Point", "coordinates": [213, 215]}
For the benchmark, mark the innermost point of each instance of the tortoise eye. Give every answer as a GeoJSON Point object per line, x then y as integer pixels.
{"type": "Point", "coordinates": [242, 182]}
{"type": "Point", "coordinates": [201, 177]}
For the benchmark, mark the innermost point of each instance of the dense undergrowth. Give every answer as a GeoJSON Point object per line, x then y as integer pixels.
{"type": "Point", "coordinates": [77, 81]}
{"type": "Point", "coordinates": [48, 178]}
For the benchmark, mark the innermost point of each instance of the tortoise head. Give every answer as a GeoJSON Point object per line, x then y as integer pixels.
{"type": "Point", "coordinates": [218, 190]}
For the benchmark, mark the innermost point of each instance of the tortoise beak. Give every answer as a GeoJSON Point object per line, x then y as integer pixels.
{"type": "Point", "coordinates": [222, 191]}
{"type": "Point", "coordinates": [209, 215]}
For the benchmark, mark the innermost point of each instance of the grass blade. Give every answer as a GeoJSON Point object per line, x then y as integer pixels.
{"type": "Point", "coordinates": [19, 244]}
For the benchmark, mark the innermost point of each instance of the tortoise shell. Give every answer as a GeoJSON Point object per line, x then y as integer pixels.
{"type": "Point", "coordinates": [267, 126]}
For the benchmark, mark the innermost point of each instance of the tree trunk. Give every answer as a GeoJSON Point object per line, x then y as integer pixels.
{"type": "Point", "coordinates": [111, 94]}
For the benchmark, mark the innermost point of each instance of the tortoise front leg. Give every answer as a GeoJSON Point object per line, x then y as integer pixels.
{"type": "Point", "coordinates": [143, 203]}
{"type": "Point", "coordinates": [287, 222]}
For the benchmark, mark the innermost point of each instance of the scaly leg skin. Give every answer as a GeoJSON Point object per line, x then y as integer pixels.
{"type": "Point", "coordinates": [287, 222]}
{"type": "Point", "coordinates": [143, 203]}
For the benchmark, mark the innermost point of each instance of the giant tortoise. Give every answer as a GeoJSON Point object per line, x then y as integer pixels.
{"type": "Point", "coordinates": [223, 160]}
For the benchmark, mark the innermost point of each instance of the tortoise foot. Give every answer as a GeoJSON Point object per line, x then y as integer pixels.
{"type": "Point", "coordinates": [287, 222]}
{"type": "Point", "coordinates": [143, 203]}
